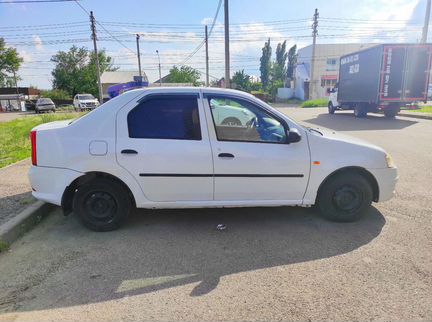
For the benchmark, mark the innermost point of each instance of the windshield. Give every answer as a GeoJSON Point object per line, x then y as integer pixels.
{"type": "Point", "coordinates": [86, 97]}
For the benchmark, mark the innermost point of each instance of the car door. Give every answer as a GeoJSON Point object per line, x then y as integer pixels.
{"type": "Point", "coordinates": [162, 143]}
{"type": "Point", "coordinates": [252, 160]}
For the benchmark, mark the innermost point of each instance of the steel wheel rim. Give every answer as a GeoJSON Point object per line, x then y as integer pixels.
{"type": "Point", "coordinates": [100, 207]}
{"type": "Point", "coordinates": [347, 198]}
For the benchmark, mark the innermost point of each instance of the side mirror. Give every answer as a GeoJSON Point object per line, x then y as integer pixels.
{"type": "Point", "coordinates": [294, 136]}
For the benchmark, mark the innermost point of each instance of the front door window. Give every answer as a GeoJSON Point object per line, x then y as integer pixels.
{"type": "Point", "coordinates": [241, 121]}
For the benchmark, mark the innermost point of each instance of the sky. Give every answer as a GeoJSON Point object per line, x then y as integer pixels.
{"type": "Point", "coordinates": [176, 28]}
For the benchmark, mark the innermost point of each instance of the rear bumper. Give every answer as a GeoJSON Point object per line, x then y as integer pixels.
{"type": "Point", "coordinates": [387, 179]}
{"type": "Point", "coordinates": [48, 184]}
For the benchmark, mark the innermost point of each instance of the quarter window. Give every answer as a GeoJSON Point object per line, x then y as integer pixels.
{"type": "Point", "coordinates": [165, 117]}
{"type": "Point", "coordinates": [240, 120]}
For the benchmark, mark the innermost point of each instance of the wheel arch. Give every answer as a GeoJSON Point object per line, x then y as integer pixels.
{"type": "Point", "coordinates": [70, 190]}
{"type": "Point", "coordinates": [354, 169]}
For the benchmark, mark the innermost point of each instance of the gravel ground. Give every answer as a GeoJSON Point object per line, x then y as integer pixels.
{"type": "Point", "coordinates": [269, 264]}
{"type": "Point", "coordinates": [15, 191]}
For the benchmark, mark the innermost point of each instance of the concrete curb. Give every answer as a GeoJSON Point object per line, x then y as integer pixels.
{"type": "Point", "coordinates": [24, 221]}
{"type": "Point", "coordinates": [15, 163]}
{"type": "Point", "coordinates": [419, 116]}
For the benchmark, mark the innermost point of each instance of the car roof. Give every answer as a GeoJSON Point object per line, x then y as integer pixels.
{"type": "Point", "coordinates": [209, 90]}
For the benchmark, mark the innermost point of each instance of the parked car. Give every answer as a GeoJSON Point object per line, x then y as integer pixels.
{"type": "Point", "coordinates": [45, 105]}
{"type": "Point", "coordinates": [161, 148]}
{"type": "Point", "coordinates": [30, 105]}
{"type": "Point", "coordinates": [85, 102]}
{"type": "Point", "coordinates": [230, 115]}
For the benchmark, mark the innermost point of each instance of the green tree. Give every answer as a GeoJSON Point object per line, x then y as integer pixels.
{"type": "Point", "coordinates": [292, 62]}
{"type": "Point", "coordinates": [279, 66]}
{"type": "Point", "coordinates": [265, 64]}
{"type": "Point", "coordinates": [10, 62]}
{"type": "Point", "coordinates": [56, 94]}
{"type": "Point", "coordinates": [184, 74]}
{"type": "Point", "coordinates": [241, 81]}
{"type": "Point", "coordinates": [75, 71]}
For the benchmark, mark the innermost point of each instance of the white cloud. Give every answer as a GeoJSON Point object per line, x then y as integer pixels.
{"type": "Point", "coordinates": [38, 43]}
{"type": "Point", "coordinates": [207, 21]}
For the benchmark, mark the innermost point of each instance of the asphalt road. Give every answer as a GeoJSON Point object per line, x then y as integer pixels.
{"type": "Point", "coordinates": [269, 264]}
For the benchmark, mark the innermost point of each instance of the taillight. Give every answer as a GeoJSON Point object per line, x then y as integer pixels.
{"type": "Point", "coordinates": [33, 147]}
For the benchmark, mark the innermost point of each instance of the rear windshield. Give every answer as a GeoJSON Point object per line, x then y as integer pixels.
{"type": "Point", "coordinates": [45, 101]}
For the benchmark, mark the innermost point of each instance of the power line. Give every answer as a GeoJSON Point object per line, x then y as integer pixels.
{"type": "Point", "coordinates": [208, 36]}
{"type": "Point", "coordinates": [115, 38]}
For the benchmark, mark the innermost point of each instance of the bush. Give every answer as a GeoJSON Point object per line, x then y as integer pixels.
{"type": "Point", "coordinates": [321, 102]}
{"type": "Point", "coordinates": [56, 94]}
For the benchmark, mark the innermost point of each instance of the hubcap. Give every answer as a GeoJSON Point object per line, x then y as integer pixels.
{"type": "Point", "coordinates": [347, 198]}
{"type": "Point", "coordinates": [100, 206]}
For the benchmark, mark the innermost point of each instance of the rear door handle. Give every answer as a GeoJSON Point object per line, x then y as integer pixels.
{"type": "Point", "coordinates": [129, 151]}
{"type": "Point", "coordinates": [226, 155]}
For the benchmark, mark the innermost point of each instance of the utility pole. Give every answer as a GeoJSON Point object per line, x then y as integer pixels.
{"type": "Point", "coordinates": [17, 90]}
{"type": "Point", "coordinates": [207, 57]}
{"type": "Point", "coordinates": [312, 83]}
{"type": "Point", "coordinates": [94, 37]}
{"type": "Point", "coordinates": [227, 49]}
{"type": "Point", "coordinates": [160, 74]}
{"type": "Point", "coordinates": [426, 22]}
{"type": "Point", "coordinates": [139, 55]}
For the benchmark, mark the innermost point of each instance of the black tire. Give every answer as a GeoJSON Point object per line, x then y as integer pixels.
{"type": "Point", "coordinates": [360, 110]}
{"type": "Point", "coordinates": [102, 204]}
{"type": "Point", "coordinates": [345, 197]}
{"type": "Point", "coordinates": [233, 121]}
{"type": "Point", "coordinates": [37, 111]}
{"type": "Point", "coordinates": [331, 108]}
{"type": "Point", "coordinates": [391, 112]}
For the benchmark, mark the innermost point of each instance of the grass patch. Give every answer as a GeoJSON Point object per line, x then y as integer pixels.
{"type": "Point", "coordinates": [423, 109]}
{"type": "Point", "coordinates": [3, 246]}
{"type": "Point", "coordinates": [321, 102]}
{"type": "Point", "coordinates": [14, 136]}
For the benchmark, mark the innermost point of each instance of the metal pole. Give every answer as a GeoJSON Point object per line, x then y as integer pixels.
{"type": "Point", "coordinates": [17, 90]}
{"type": "Point", "coordinates": [426, 22]}
{"type": "Point", "coordinates": [139, 55]}
{"type": "Point", "coordinates": [94, 37]}
{"type": "Point", "coordinates": [207, 57]}
{"type": "Point", "coordinates": [227, 49]}
{"type": "Point", "coordinates": [314, 34]}
{"type": "Point", "coordinates": [160, 74]}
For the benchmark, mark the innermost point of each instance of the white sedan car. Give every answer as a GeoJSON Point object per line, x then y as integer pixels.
{"type": "Point", "coordinates": [163, 148]}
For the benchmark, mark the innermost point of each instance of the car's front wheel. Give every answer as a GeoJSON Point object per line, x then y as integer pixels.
{"type": "Point", "coordinates": [345, 197]}
{"type": "Point", "coordinates": [102, 204]}
{"type": "Point", "coordinates": [331, 108]}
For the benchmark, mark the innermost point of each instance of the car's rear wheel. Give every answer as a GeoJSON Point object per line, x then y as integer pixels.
{"type": "Point", "coordinates": [102, 204]}
{"type": "Point", "coordinates": [345, 197]}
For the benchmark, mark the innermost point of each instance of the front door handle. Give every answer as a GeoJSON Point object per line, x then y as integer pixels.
{"type": "Point", "coordinates": [129, 151]}
{"type": "Point", "coordinates": [226, 155]}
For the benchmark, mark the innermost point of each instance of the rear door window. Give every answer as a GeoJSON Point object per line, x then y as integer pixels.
{"type": "Point", "coordinates": [171, 117]}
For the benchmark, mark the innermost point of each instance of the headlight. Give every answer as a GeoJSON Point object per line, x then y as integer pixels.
{"type": "Point", "coordinates": [390, 162]}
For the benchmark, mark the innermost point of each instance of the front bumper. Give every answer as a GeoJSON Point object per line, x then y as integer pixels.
{"type": "Point", "coordinates": [48, 184]}
{"type": "Point", "coordinates": [386, 179]}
